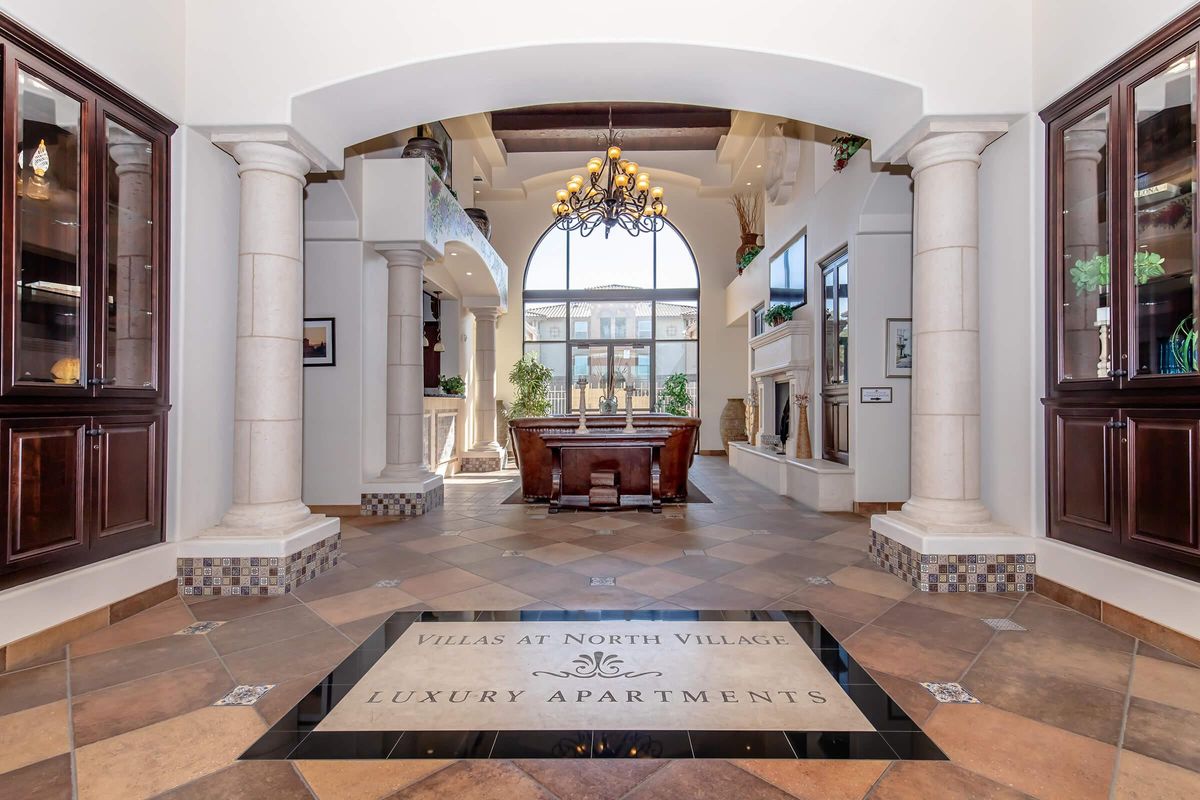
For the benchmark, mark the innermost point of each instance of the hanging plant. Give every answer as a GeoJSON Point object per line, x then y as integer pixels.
{"type": "Point", "coordinates": [844, 148]}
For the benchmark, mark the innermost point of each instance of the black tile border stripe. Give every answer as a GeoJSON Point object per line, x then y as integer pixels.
{"type": "Point", "coordinates": [896, 736]}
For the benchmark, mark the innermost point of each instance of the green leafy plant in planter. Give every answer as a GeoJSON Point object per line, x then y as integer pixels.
{"type": "Point", "coordinates": [674, 398]}
{"type": "Point", "coordinates": [531, 382]}
{"type": "Point", "coordinates": [778, 314]}
{"type": "Point", "coordinates": [1096, 273]}
{"type": "Point", "coordinates": [748, 257]}
{"type": "Point", "coordinates": [452, 384]}
{"type": "Point", "coordinates": [1183, 345]}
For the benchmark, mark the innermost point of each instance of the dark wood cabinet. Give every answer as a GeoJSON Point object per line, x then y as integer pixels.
{"type": "Point", "coordinates": [84, 233]}
{"type": "Point", "coordinates": [835, 432]}
{"type": "Point", "coordinates": [1123, 294]}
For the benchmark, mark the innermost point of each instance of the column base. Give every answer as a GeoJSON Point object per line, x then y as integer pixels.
{"type": "Point", "coordinates": [949, 558]}
{"type": "Point", "coordinates": [255, 562]}
{"type": "Point", "coordinates": [390, 498]}
{"type": "Point", "coordinates": [483, 459]}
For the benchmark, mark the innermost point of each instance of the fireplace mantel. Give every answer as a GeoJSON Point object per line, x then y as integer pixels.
{"type": "Point", "coordinates": [782, 353]}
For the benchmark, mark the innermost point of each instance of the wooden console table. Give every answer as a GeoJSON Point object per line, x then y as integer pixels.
{"type": "Point", "coordinates": [635, 457]}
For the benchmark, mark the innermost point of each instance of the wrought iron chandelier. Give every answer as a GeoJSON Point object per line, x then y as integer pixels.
{"type": "Point", "coordinates": [616, 193]}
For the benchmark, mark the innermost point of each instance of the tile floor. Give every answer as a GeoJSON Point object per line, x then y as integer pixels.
{"type": "Point", "coordinates": [1069, 708]}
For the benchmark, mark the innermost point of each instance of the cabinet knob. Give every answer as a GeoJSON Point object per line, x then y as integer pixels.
{"type": "Point", "coordinates": [94, 432]}
{"type": "Point", "coordinates": [1116, 424]}
{"type": "Point", "coordinates": [1118, 373]}
{"type": "Point", "coordinates": [101, 381]}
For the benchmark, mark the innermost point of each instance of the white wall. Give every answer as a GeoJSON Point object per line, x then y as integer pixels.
{"type": "Point", "coordinates": [869, 212]}
{"type": "Point", "coordinates": [333, 458]}
{"type": "Point", "coordinates": [709, 225]}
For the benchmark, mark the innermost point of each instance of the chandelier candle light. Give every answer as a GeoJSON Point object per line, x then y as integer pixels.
{"type": "Point", "coordinates": [616, 192]}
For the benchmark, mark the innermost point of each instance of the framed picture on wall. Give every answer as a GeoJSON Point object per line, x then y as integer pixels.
{"type": "Point", "coordinates": [899, 348]}
{"type": "Point", "coordinates": [319, 342]}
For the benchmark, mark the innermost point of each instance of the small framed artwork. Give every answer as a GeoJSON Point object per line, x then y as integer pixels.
{"type": "Point", "coordinates": [319, 342]}
{"type": "Point", "coordinates": [899, 348]}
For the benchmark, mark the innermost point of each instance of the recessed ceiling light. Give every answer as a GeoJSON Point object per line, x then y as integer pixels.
{"type": "Point", "coordinates": [747, 183]}
{"type": "Point", "coordinates": [468, 274]}
{"type": "Point", "coordinates": [454, 254]}
{"type": "Point", "coordinates": [758, 166]}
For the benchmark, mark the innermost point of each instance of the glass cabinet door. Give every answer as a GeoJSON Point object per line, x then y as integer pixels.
{"type": "Point", "coordinates": [1162, 269]}
{"type": "Point", "coordinates": [1085, 287]}
{"type": "Point", "coordinates": [130, 274]}
{"type": "Point", "coordinates": [50, 275]}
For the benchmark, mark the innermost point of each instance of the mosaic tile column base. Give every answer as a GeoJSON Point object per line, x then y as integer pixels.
{"type": "Point", "coordinates": [252, 576]}
{"type": "Point", "coordinates": [488, 463]}
{"type": "Point", "coordinates": [941, 572]}
{"type": "Point", "coordinates": [401, 504]}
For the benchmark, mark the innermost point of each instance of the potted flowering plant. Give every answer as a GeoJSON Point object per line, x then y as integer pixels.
{"type": "Point", "coordinates": [778, 314]}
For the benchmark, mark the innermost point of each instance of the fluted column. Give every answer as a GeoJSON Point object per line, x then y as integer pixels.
{"type": "Point", "coordinates": [945, 459]}
{"type": "Point", "coordinates": [485, 380]}
{"type": "Point", "coordinates": [405, 368]}
{"type": "Point", "coordinates": [268, 405]}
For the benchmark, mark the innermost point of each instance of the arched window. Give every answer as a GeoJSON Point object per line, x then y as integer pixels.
{"type": "Point", "coordinates": [616, 311]}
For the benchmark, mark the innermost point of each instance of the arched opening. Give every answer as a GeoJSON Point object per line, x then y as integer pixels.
{"type": "Point", "coordinates": [621, 312]}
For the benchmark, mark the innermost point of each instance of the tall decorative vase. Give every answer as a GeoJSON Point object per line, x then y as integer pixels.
{"type": "Point", "coordinates": [748, 240]}
{"type": "Point", "coordinates": [752, 418]}
{"type": "Point", "coordinates": [733, 422]}
{"type": "Point", "coordinates": [803, 440]}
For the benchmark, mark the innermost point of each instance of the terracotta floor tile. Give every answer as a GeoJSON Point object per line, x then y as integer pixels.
{"type": "Point", "coordinates": [914, 698]}
{"type": "Point", "coordinates": [818, 780]}
{"type": "Point", "coordinates": [800, 568]}
{"type": "Point", "coordinates": [50, 645]}
{"type": "Point", "coordinates": [874, 581]}
{"type": "Point", "coordinates": [723, 532]}
{"type": "Point", "coordinates": [703, 779]}
{"type": "Point", "coordinates": [772, 541]}
{"type": "Point", "coordinates": [161, 620]}
{"type": "Point", "coordinates": [906, 657]}
{"type": "Point", "coordinates": [761, 581]}
{"type": "Point", "coordinates": [523, 542]}
{"type": "Point", "coordinates": [586, 779]}
{"type": "Point", "coordinates": [1071, 626]}
{"type": "Point", "coordinates": [1100, 666]}
{"type": "Point", "coordinates": [936, 628]}
{"type": "Point", "coordinates": [261, 629]}
{"type": "Point", "coordinates": [649, 553]}
{"type": "Point", "coordinates": [1142, 778]}
{"type": "Point", "coordinates": [979, 605]}
{"type": "Point", "coordinates": [856, 605]}
{"type": "Point", "coordinates": [488, 597]}
{"type": "Point", "coordinates": [433, 544]}
{"type": "Point", "coordinates": [33, 735]}
{"type": "Point", "coordinates": [706, 567]}
{"type": "Point", "coordinates": [150, 760]}
{"type": "Point", "coordinates": [855, 538]}
{"type": "Point", "coordinates": [476, 780]}
{"type": "Point", "coordinates": [281, 661]}
{"type": "Point", "coordinates": [599, 597]}
{"type": "Point", "coordinates": [604, 522]}
{"type": "Point", "coordinates": [717, 596]}
{"type": "Point", "coordinates": [283, 698]}
{"type": "Point", "coordinates": [1148, 631]}
{"type": "Point", "coordinates": [921, 780]}
{"type": "Point", "coordinates": [656, 582]}
{"type": "Point", "coordinates": [490, 533]}
{"type": "Point", "coordinates": [248, 780]}
{"type": "Point", "coordinates": [499, 568]}
{"type": "Point", "coordinates": [559, 553]}
{"type": "Point", "coordinates": [342, 579]}
{"type": "Point", "coordinates": [1164, 732]}
{"type": "Point", "coordinates": [742, 553]}
{"type": "Point", "coordinates": [469, 554]}
{"type": "Point", "coordinates": [604, 564]}
{"type": "Point", "coordinates": [360, 629]}
{"type": "Point", "coordinates": [442, 582]}
{"type": "Point", "coordinates": [1032, 757]}
{"type": "Point", "coordinates": [122, 664]}
{"type": "Point", "coordinates": [1168, 682]}
{"type": "Point", "coordinates": [1027, 689]}
{"type": "Point", "coordinates": [364, 780]}
{"type": "Point", "coordinates": [343, 608]}
{"type": "Point", "coordinates": [34, 686]}
{"type": "Point", "coordinates": [830, 552]}
{"type": "Point", "coordinates": [45, 780]}
{"type": "Point", "coordinates": [227, 608]}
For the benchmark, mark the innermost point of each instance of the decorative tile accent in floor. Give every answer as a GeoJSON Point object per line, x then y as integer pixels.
{"type": "Point", "coordinates": [554, 684]}
{"type": "Point", "coordinates": [602, 580]}
{"type": "Point", "coordinates": [1003, 624]}
{"type": "Point", "coordinates": [244, 695]}
{"type": "Point", "coordinates": [950, 693]}
{"type": "Point", "coordinates": [256, 576]}
{"type": "Point", "coordinates": [197, 628]}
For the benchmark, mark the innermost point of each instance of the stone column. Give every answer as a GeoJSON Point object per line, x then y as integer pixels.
{"type": "Point", "coordinates": [405, 369]}
{"type": "Point", "coordinates": [132, 349]}
{"type": "Point", "coordinates": [945, 461]}
{"type": "Point", "coordinates": [268, 404]}
{"type": "Point", "coordinates": [486, 455]}
{"type": "Point", "coordinates": [764, 426]}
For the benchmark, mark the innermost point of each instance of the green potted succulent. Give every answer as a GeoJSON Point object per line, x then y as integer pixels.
{"type": "Point", "coordinates": [674, 398]}
{"type": "Point", "coordinates": [531, 383]}
{"type": "Point", "coordinates": [1096, 274]}
{"type": "Point", "coordinates": [452, 384]}
{"type": "Point", "coordinates": [778, 314]}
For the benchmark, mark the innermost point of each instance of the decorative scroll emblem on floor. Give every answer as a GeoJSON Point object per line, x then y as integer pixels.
{"type": "Point", "coordinates": [950, 693]}
{"type": "Point", "coordinates": [597, 665]}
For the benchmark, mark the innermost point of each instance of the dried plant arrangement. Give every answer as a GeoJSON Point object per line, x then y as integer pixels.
{"type": "Point", "coordinates": [748, 207]}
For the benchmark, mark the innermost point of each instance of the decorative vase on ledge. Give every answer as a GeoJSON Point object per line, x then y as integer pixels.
{"type": "Point", "coordinates": [428, 149]}
{"type": "Point", "coordinates": [480, 218]}
{"type": "Point", "coordinates": [733, 422]}
{"type": "Point", "coordinates": [749, 240]}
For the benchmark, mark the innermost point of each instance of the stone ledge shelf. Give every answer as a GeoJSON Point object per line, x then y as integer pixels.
{"type": "Point", "coordinates": [818, 484]}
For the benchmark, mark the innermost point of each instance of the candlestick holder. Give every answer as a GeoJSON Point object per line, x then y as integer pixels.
{"type": "Point", "coordinates": [629, 410]}
{"type": "Point", "coordinates": [583, 428]}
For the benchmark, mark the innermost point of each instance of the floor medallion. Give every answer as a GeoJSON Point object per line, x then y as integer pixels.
{"type": "Point", "coordinates": [668, 684]}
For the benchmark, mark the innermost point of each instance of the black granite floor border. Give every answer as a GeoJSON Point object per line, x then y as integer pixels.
{"type": "Point", "coordinates": [896, 735]}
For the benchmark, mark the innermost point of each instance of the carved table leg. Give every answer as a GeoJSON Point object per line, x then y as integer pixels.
{"type": "Point", "coordinates": [556, 480]}
{"type": "Point", "coordinates": [655, 481]}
